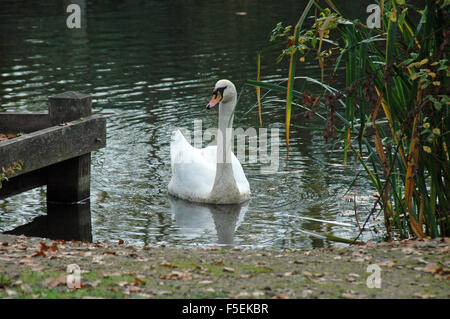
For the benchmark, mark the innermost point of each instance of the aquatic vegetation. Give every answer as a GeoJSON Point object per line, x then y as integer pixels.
{"type": "Point", "coordinates": [4, 172]}
{"type": "Point", "coordinates": [392, 114]}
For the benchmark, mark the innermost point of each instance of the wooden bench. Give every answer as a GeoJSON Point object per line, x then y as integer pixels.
{"type": "Point", "coordinates": [54, 149]}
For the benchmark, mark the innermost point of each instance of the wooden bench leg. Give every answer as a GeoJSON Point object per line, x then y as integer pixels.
{"type": "Point", "coordinates": [69, 181]}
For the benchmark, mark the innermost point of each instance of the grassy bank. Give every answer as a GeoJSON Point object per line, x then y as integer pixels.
{"type": "Point", "coordinates": [36, 268]}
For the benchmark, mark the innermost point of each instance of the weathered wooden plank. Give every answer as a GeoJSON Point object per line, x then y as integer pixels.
{"type": "Point", "coordinates": [54, 144]}
{"type": "Point", "coordinates": [23, 183]}
{"type": "Point", "coordinates": [23, 122]}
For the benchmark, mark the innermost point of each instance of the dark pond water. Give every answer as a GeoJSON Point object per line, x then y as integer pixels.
{"type": "Point", "coordinates": [150, 67]}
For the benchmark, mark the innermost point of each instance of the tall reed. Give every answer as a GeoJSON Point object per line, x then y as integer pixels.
{"type": "Point", "coordinates": [394, 110]}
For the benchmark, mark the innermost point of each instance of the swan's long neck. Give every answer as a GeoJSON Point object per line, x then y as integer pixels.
{"type": "Point", "coordinates": [224, 182]}
{"type": "Point", "coordinates": [225, 134]}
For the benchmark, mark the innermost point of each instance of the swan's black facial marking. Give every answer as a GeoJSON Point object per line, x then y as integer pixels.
{"type": "Point", "coordinates": [217, 97]}
{"type": "Point", "coordinates": [221, 89]}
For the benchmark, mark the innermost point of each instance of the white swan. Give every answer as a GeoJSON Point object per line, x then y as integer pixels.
{"type": "Point", "coordinates": [212, 174]}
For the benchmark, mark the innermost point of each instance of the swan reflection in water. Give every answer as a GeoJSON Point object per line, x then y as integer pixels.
{"type": "Point", "coordinates": [196, 219]}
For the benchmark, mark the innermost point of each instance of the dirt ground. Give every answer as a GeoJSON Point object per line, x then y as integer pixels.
{"type": "Point", "coordinates": [40, 268]}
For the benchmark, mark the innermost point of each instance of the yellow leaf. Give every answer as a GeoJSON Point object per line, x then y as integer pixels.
{"type": "Point", "coordinates": [419, 64]}
{"type": "Point", "coordinates": [393, 16]}
{"type": "Point", "coordinates": [436, 131]}
{"type": "Point", "coordinates": [427, 149]}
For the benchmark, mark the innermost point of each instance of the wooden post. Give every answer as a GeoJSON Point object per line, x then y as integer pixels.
{"type": "Point", "coordinates": [68, 183]}
{"type": "Point", "coordinates": [69, 106]}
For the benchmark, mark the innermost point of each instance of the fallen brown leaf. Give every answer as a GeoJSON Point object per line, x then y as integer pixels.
{"type": "Point", "coordinates": [138, 282]}
{"type": "Point", "coordinates": [387, 263]}
{"type": "Point", "coordinates": [442, 275]}
{"type": "Point", "coordinates": [182, 275]}
{"type": "Point", "coordinates": [423, 296]}
{"type": "Point", "coordinates": [44, 247]}
{"type": "Point", "coordinates": [290, 273]}
{"type": "Point", "coordinates": [348, 295]}
{"type": "Point", "coordinates": [4, 137]}
{"type": "Point", "coordinates": [228, 269]}
{"type": "Point", "coordinates": [309, 274]}
{"type": "Point", "coordinates": [168, 265]}
{"type": "Point", "coordinates": [431, 268]}
{"type": "Point", "coordinates": [25, 261]}
{"type": "Point", "coordinates": [40, 253]}
{"type": "Point", "coordinates": [132, 290]}
{"type": "Point", "coordinates": [281, 296]}
{"type": "Point", "coordinates": [54, 282]}
{"type": "Point", "coordinates": [123, 283]}
{"type": "Point", "coordinates": [98, 260]}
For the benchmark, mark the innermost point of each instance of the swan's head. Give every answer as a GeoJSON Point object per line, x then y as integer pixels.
{"type": "Point", "coordinates": [224, 91]}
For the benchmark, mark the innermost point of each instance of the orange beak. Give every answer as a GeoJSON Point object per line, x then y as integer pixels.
{"type": "Point", "coordinates": [214, 100]}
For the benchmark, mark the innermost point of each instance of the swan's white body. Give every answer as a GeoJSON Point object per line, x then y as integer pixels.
{"type": "Point", "coordinates": [205, 175]}
{"type": "Point", "coordinates": [194, 171]}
